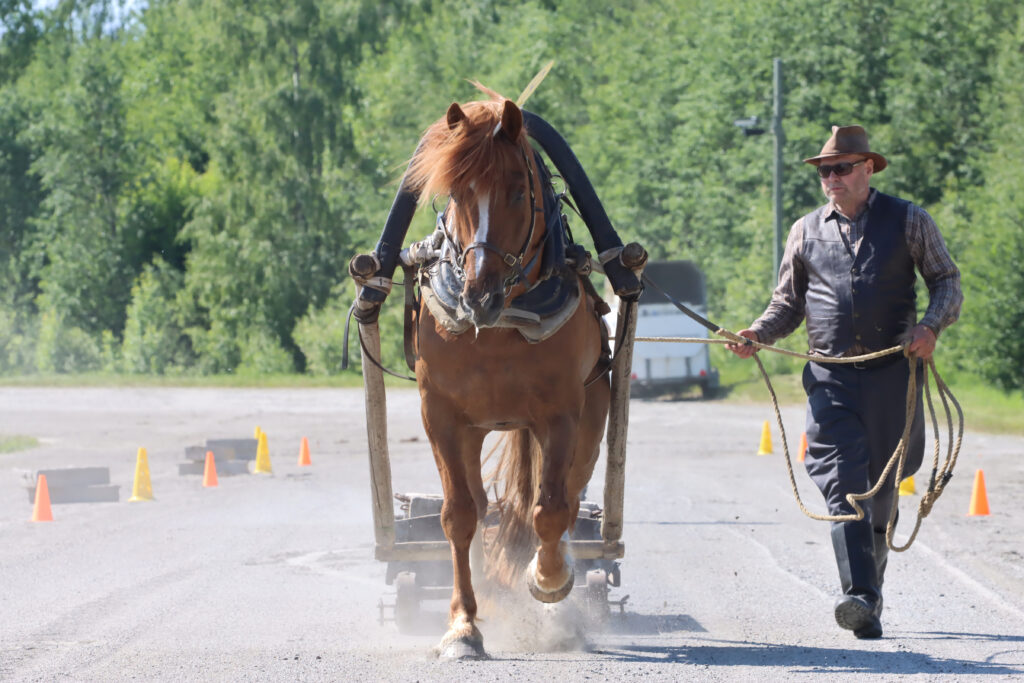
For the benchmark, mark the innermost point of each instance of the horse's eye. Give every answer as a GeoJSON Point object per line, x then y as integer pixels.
{"type": "Point", "coordinates": [518, 196]}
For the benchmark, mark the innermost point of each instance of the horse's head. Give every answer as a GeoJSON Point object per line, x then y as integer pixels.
{"type": "Point", "coordinates": [478, 154]}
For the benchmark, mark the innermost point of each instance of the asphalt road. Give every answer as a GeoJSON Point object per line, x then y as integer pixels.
{"type": "Point", "coordinates": [273, 577]}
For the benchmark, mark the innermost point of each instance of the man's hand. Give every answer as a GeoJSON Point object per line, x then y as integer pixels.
{"type": "Point", "coordinates": [921, 341]}
{"type": "Point", "coordinates": [744, 350]}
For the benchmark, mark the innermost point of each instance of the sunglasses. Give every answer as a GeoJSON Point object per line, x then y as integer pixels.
{"type": "Point", "coordinates": [840, 169]}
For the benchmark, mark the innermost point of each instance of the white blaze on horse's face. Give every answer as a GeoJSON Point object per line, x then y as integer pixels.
{"type": "Point", "coordinates": [483, 224]}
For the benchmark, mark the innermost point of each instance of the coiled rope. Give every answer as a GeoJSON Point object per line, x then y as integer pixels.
{"type": "Point", "coordinates": [940, 475]}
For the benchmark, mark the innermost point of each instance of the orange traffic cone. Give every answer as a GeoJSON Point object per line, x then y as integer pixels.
{"type": "Point", "coordinates": [41, 510]}
{"type": "Point", "coordinates": [765, 447]}
{"type": "Point", "coordinates": [304, 453]}
{"type": "Point", "coordinates": [979, 499]}
{"type": "Point", "coordinates": [803, 447]}
{"type": "Point", "coordinates": [210, 471]}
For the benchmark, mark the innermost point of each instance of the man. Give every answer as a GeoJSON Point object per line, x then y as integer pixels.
{"type": "Point", "coordinates": [849, 270]}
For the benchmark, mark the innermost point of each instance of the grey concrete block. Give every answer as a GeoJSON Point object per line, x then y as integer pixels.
{"type": "Point", "coordinates": [232, 449]}
{"type": "Point", "coordinates": [196, 453]}
{"type": "Point", "coordinates": [70, 477]}
{"type": "Point", "coordinates": [228, 468]}
{"type": "Point", "coordinates": [78, 494]}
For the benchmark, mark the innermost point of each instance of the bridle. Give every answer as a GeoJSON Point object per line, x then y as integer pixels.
{"type": "Point", "coordinates": [513, 261]}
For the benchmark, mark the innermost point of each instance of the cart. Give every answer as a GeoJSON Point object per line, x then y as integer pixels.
{"type": "Point", "coordinates": [413, 543]}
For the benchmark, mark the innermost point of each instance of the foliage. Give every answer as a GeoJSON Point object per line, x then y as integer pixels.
{"type": "Point", "coordinates": [181, 187]}
{"type": "Point", "coordinates": [154, 336]}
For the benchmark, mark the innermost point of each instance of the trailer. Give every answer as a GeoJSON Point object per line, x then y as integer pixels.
{"type": "Point", "coordinates": [668, 368]}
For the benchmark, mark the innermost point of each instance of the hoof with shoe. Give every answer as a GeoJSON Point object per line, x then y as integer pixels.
{"type": "Point", "coordinates": [461, 642]}
{"type": "Point", "coordinates": [461, 649]}
{"type": "Point", "coordinates": [538, 593]}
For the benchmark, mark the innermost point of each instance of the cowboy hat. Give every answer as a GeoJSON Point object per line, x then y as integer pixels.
{"type": "Point", "coordinates": [848, 140]}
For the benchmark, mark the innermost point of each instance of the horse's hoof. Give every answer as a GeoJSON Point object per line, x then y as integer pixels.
{"type": "Point", "coordinates": [461, 649]}
{"type": "Point", "coordinates": [556, 595]}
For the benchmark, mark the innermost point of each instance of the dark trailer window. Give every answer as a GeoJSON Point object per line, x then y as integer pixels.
{"type": "Point", "coordinates": [681, 279]}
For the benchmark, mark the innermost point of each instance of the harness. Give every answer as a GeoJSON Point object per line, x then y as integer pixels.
{"type": "Point", "coordinates": [514, 262]}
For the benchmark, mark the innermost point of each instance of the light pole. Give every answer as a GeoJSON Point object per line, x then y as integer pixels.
{"type": "Point", "coordinates": [780, 139]}
{"type": "Point", "coordinates": [752, 126]}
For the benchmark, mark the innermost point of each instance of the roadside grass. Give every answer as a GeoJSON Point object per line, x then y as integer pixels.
{"type": "Point", "coordinates": [9, 443]}
{"type": "Point", "coordinates": [986, 408]}
{"type": "Point", "coordinates": [243, 381]}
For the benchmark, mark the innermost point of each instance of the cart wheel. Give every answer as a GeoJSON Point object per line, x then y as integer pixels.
{"type": "Point", "coordinates": [597, 597]}
{"type": "Point", "coordinates": [407, 602]}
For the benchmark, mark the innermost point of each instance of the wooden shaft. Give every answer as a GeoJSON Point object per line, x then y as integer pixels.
{"type": "Point", "coordinates": [377, 439]}
{"type": "Point", "coordinates": [618, 421]}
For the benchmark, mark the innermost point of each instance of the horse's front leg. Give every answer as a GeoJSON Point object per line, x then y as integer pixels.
{"type": "Point", "coordinates": [550, 575]}
{"type": "Point", "coordinates": [457, 454]}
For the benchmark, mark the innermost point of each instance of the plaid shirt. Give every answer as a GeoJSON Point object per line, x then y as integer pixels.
{"type": "Point", "coordinates": [785, 312]}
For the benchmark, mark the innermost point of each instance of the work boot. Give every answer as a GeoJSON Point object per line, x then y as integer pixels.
{"type": "Point", "coordinates": [881, 560]}
{"type": "Point", "coordinates": [859, 608]}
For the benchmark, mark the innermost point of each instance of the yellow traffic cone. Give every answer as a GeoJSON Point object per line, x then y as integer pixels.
{"type": "Point", "coordinates": [262, 456]}
{"type": "Point", "coordinates": [907, 487]}
{"type": "Point", "coordinates": [256, 433]}
{"type": "Point", "coordinates": [766, 440]}
{"type": "Point", "coordinates": [142, 489]}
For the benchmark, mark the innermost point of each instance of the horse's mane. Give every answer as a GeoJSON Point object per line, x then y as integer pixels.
{"type": "Point", "coordinates": [447, 159]}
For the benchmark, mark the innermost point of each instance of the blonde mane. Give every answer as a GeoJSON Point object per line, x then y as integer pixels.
{"type": "Point", "coordinates": [448, 160]}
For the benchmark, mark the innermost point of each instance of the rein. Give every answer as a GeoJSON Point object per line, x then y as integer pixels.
{"type": "Point", "coordinates": [940, 476]}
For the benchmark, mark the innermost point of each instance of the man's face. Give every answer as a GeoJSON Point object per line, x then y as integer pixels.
{"type": "Point", "coordinates": [845, 188]}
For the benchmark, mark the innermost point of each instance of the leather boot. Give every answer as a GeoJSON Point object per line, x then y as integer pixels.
{"type": "Point", "coordinates": [881, 560]}
{"type": "Point", "coordinates": [859, 607]}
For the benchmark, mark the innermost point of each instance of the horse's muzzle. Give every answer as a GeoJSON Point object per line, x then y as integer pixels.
{"type": "Point", "coordinates": [482, 309]}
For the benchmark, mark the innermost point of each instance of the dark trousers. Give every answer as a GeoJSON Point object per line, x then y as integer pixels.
{"type": "Point", "coordinates": [855, 418]}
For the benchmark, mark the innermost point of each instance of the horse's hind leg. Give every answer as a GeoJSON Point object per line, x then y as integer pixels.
{"type": "Point", "coordinates": [457, 454]}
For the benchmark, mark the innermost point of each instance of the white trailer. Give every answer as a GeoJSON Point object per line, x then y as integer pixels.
{"type": "Point", "coordinates": [666, 367]}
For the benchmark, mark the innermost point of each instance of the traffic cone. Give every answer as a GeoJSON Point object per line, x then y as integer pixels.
{"type": "Point", "coordinates": [766, 440]}
{"type": "Point", "coordinates": [304, 453]}
{"type": "Point", "coordinates": [41, 510]}
{"type": "Point", "coordinates": [979, 499]}
{"type": "Point", "coordinates": [803, 447]}
{"type": "Point", "coordinates": [142, 489]}
{"type": "Point", "coordinates": [907, 487]}
{"type": "Point", "coordinates": [210, 471]}
{"type": "Point", "coordinates": [262, 456]}
{"type": "Point", "coordinates": [256, 433]}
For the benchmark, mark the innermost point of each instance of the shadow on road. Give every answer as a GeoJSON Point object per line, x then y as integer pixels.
{"type": "Point", "coordinates": [802, 659]}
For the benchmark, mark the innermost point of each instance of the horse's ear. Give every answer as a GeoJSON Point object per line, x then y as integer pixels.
{"type": "Point", "coordinates": [511, 121]}
{"type": "Point", "coordinates": [455, 115]}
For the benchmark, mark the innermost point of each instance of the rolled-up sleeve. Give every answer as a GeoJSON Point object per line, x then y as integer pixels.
{"type": "Point", "coordinates": [785, 311]}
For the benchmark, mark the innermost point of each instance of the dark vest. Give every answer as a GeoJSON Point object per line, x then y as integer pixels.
{"type": "Point", "coordinates": [865, 298]}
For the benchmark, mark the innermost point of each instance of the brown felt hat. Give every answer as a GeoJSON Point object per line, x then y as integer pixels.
{"type": "Point", "coordinates": [848, 140]}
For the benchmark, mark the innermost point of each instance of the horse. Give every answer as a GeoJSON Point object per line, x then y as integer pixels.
{"type": "Point", "coordinates": [550, 396]}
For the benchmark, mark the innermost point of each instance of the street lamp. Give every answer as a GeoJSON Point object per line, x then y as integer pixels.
{"type": "Point", "coordinates": [752, 126]}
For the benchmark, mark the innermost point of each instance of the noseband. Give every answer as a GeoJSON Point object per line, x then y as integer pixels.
{"type": "Point", "coordinates": [513, 261]}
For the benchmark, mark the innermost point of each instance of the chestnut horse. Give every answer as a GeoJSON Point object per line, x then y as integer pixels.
{"type": "Point", "coordinates": [490, 378]}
